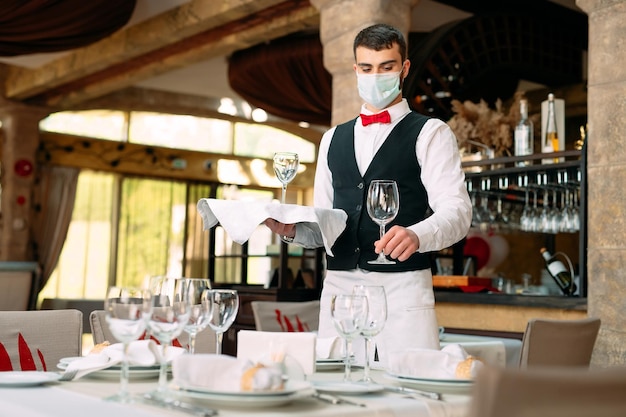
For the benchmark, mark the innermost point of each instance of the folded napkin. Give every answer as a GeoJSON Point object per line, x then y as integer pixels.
{"type": "Point", "coordinates": [329, 348]}
{"type": "Point", "coordinates": [240, 218]}
{"type": "Point", "coordinates": [225, 373]}
{"type": "Point", "coordinates": [140, 353]}
{"type": "Point", "coordinates": [298, 347]}
{"type": "Point", "coordinates": [431, 363]}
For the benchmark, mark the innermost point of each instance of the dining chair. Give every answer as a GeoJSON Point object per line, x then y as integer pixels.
{"type": "Point", "coordinates": [549, 342]}
{"type": "Point", "coordinates": [549, 392]}
{"type": "Point", "coordinates": [35, 340]}
{"type": "Point", "coordinates": [205, 340]}
{"type": "Point", "coordinates": [286, 316]}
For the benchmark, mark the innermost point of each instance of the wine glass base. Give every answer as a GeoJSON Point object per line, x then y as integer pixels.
{"type": "Point", "coordinates": [122, 398]}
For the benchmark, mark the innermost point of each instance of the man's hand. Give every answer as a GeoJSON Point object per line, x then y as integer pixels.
{"type": "Point", "coordinates": [398, 243]}
{"type": "Point", "coordinates": [282, 229]}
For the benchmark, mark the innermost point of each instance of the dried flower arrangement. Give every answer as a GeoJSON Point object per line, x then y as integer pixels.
{"type": "Point", "coordinates": [476, 122]}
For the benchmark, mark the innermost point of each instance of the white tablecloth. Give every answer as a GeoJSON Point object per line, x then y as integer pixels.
{"type": "Point", "coordinates": [84, 397]}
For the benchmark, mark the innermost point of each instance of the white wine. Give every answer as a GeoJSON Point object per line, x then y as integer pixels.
{"type": "Point", "coordinates": [551, 139]}
{"type": "Point", "coordinates": [559, 272]}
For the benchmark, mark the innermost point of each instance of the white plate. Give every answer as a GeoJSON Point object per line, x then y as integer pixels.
{"type": "Point", "coordinates": [293, 390]}
{"type": "Point", "coordinates": [442, 386]}
{"type": "Point", "coordinates": [27, 378]}
{"type": "Point", "coordinates": [346, 388]}
{"type": "Point", "coordinates": [135, 372]}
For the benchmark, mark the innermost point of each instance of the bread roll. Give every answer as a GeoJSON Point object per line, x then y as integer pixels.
{"type": "Point", "coordinates": [262, 378]}
{"type": "Point", "coordinates": [98, 348]}
{"type": "Point", "coordinates": [468, 368]}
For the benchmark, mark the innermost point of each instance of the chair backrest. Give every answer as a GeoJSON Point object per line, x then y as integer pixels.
{"type": "Point", "coordinates": [549, 392]}
{"type": "Point", "coordinates": [38, 339]}
{"type": "Point", "coordinates": [286, 316]}
{"type": "Point", "coordinates": [559, 342]}
{"type": "Point", "coordinates": [205, 340]}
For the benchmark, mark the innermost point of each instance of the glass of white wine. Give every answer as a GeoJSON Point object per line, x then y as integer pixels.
{"type": "Point", "coordinates": [383, 203]}
{"type": "Point", "coordinates": [286, 167]}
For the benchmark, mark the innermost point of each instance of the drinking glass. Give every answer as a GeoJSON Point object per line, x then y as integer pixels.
{"type": "Point", "coordinates": [224, 308]}
{"type": "Point", "coordinates": [126, 309]}
{"type": "Point", "coordinates": [200, 309]}
{"type": "Point", "coordinates": [383, 203]}
{"type": "Point", "coordinates": [285, 167]}
{"type": "Point", "coordinates": [375, 321]}
{"type": "Point", "coordinates": [349, 312]}
{"type": "Point", "coordinates": [171, 309]}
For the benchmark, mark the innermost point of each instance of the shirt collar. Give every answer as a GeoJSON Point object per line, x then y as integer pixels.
{"type": "Point", "coordinates": [397, 111]}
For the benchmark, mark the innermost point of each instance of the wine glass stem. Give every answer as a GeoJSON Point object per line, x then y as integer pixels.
{"type": "Point", "coordinates": [284, 193]}
{"type": "Point", "coordinates": [218, 342]}
{"type": "Point", "coordinates": [124, 374]}
{"type": "Point", "coordinates": [366, 366]}
{"type": "Point", "coordinates": [163, 370]}
{"type": "Point", "coordinates": [347, 376]}
{"type": "Point", "coordinates": [381, 255]}
{"type": "Point", "coordinates": [192, 343]}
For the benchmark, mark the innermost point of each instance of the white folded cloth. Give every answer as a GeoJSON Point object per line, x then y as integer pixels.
{"type": "Point", "coordinates": [140, 353]}
{"type": "Point", "coordinates": [430, 363]}
{"type": "Point", "coordinates": [225, 373]}
{"type": "Point", "coordinates": [329, 348]}
{"type": "Point", "coordinates": [240, 218]}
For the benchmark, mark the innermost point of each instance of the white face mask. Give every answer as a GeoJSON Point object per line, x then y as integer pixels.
{"type": "Point", "coordinates": [379, 89]}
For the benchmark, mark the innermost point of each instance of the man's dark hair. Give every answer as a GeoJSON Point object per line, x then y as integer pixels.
{"type": "Point", "coordinates": [380, 36]}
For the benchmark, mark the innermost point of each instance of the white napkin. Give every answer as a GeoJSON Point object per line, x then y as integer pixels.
{"type": "Point", "coordinates": [240, 218]}
{"type": "Point", "coordinates": [209, 371]}
{"type": "Point", "coordinates": [140, 353]}
{"type": "Point", "coordinates": [429, 363]}
{"type": "Point", "coordinates": [256, 345]}
{"type": "Point", "coordinates": [329, 348]}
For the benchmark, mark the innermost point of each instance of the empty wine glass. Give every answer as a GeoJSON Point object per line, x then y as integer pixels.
{"type": "Point", "coordinates": [375, 321]}
{"type": "Point", "coordinates": [126, 309]}
{"type": "Point", "coordinates": [200, 309]}
{"type": "Point", "coordinates": [383, 203]}
{"type": "Point", "coordinates": [171, 308]}
{"type": "Point", "coordinates": [349, 312]}
{"type": "Point", "coordinates": [285, 167]}
{"type": "Point", "coordinates": [224, 308]}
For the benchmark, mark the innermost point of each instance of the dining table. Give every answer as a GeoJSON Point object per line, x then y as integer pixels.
{"type": "Point", "coordinates": [86, 396]}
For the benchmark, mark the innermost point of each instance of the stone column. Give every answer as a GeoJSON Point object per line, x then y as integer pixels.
{"type": "Point", "coordinates": [606, 221]}
{"type": "Point", "coordinates": [340, 21]}
{"type": "Point", "coordinates": [20, 128]}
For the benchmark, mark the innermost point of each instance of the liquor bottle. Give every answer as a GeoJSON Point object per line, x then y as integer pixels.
{"type": "Point", "coordinates": [559, 272]}
{"type": "Point", "coordinates": [524, 138]}
{"type": "Point", "coordinates": [551, 139]}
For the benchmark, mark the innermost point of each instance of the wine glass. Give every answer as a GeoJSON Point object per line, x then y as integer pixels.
{"type": "Point", "coordinates": [285, 167]}
{"type": "Point", "coordinates": [171, 309]}
{"type": "Point", "coordinates": [375, 320]}
{"type": "Point", "coordinates": [224, 308]}
{"type": "Point", "coordinates": [200, 309]}
{"type": "Point", "coordinates": [126, 309]}
{"type": "Point", "coordinates": [349, 312]}
{"type": "Point", "coordinates": [383, 203]}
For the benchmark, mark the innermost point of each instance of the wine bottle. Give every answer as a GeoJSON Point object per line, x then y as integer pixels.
{"type": "Point", "coordinates": [551, 138]}
{"type": "Point", "coordinates": [523, 137]}
{"type": "Point", "coordinates": [559, 272]}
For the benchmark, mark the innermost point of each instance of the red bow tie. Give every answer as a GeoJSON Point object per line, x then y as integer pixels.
{"type": "Point", "coordinates": [382, 117]}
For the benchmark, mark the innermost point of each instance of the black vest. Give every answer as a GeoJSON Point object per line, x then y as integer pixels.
{"type": "Point", "coordinates": [395, 160]}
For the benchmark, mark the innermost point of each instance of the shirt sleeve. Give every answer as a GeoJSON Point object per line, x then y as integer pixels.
{"type": "Point", "coordinates": [438, 155]}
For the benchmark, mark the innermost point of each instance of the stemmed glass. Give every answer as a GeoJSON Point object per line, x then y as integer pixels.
{"type": "Point", "coordinates": [200, 309]}
{"type": "Point", "coordinates": [224, 308]}
{"type": "Point", "coordinates": [383, 203]}
{"type": "Point", "coordinates": [285, 167]}
{"type": "Point", "coordinates": [171, 309]}
{"type": "Point", "coordinates": [375, 321]}
{"type": "Point", "coordinates": [126, 309]}
{"type": "Point", "coordinates": [349, 312]}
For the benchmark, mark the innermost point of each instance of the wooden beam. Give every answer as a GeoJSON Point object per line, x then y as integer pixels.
{"type": "Point", "coordinates": [195, 31]}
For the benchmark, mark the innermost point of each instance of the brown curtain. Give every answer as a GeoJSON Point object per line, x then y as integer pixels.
{"type": "Point", "coordinates": [285, 78]}
{"type": "Point", "coordinates": [34, 26]}
{"type": "Point", "coordinates": [54, 196]}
